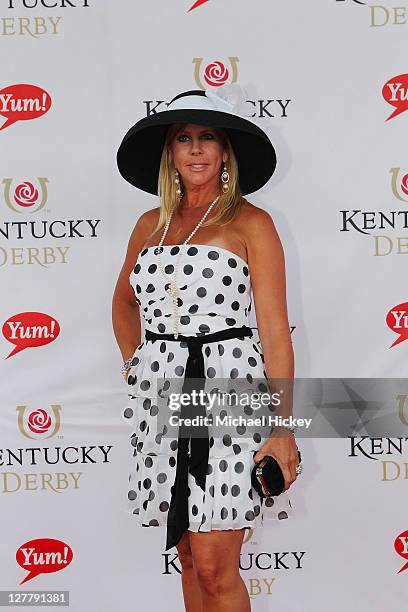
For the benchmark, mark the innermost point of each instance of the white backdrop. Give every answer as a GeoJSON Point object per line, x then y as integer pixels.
{"type": "Point", "coordinates": [315, 74]}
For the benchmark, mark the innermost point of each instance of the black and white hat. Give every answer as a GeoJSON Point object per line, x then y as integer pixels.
{"type": "Point", "coordinates": [140, 152]}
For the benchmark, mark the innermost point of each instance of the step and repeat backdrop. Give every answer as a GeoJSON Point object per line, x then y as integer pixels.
{"type": "Point", "coordinates": [328, 81]}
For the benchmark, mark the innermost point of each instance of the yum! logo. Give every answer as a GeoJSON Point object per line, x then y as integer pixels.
{"type": "Point", "coordinates": [395, 92]}
{"type": "Point", "coordinates": [23, 102]}
{"type": "Point", "coordinates": [39, 423]}
{"type": "Point", "coordinates": [397, 321]}
{"type": "Point", "coordinates": [197, 4]}
{"type": "Point", "coordinates": [30, 330]}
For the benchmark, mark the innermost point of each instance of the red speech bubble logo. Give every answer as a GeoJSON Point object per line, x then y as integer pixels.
{"type": "Point", "coordinates": [397, 321]}
{"type": "Point", "coordinates": [22, 102]}
{"type": "Point", "coordinates": [197, 4]}
{"type": "Point", "coordinates": [30, 329]}
{"type": "Point", "coordinates": [401, 548]}
{"type": "Point", "coordinates": [395, 92]}
{"type": "Point", "coordinates": [43, 556]}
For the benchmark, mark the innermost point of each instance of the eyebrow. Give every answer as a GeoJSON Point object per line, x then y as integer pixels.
{"type": "Point", "coordinates": [200, 132]}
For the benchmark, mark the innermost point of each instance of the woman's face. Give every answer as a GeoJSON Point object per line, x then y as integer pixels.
{"type": "Point", "coordinates": [198, 153]}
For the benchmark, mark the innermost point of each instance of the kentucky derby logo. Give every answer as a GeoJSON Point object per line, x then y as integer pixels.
{"type": "Point", "coordinates": [25, 198]}
{"type": "Point", "coordinates": [399, 186]}
{"type": "Point", "coordinates": [249, 532]}
{"type": "Point", "coordinates": [216, 73]}
{"type": "Point", "coordinates": [39, 423]}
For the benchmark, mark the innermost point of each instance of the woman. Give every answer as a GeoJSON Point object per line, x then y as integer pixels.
{"type": "Point", "coordinates": [192, 263]}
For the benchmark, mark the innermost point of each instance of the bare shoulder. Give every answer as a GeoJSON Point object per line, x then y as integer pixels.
{"type": "Point", "coordinates": [257, 226]}
{"type": "Point", "coordinates": [143, 228]}
{"type": "Point", "coordinates": [147, 221]}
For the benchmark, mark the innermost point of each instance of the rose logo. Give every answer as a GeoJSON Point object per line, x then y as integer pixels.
{"type": "Point", "coordinates": [404, 184]}
{"type": "Point", "coordinates": [39, 421]}
{"type": "Point", "coordinates": [399, 185]}
{"type": "Point", "coordinates": [216, 74]}
{"type": "Point", "coordinates": [25, 194]}
{"type": "Point", "coordinates": [25, 198]}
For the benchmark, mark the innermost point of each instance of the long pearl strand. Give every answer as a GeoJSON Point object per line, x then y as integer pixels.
{"type": "Point", "coordinates": [173, 289]}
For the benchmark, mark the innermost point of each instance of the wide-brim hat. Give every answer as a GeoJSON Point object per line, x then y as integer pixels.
{"type": "Point", "coordinates": [140, 152]}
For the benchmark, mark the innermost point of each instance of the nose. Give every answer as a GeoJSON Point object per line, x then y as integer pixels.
{"type": "Point", "coordinates": [196, 146]}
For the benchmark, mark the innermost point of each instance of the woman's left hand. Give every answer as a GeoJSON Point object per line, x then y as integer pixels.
{"type": "Point", "coordinates": [284, 449]}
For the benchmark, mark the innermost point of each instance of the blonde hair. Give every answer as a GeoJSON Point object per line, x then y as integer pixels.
{"type": "Point", "coordinates": [228, 204]}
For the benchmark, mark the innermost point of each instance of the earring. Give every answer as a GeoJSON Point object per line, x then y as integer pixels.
{"type": "Point", "coordinates": [177, 181]}
{"type": "Point", "coordinates": [225, 177]}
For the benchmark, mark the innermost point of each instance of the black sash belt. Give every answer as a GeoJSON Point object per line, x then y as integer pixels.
{"type": "Point", "coordinates": [196, 462]}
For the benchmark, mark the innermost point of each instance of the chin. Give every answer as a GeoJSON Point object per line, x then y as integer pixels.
{"type": "Point", "coordinates": [198, 181]}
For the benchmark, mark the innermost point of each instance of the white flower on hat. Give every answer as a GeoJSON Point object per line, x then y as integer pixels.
{"type": "Point", "coordinates": [229, 98]}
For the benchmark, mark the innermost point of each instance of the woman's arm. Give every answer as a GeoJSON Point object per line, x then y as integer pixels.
{"type": "Point", "coordinates": [267, 265]}
{"type": "Point", "coordinates": [125, 310]}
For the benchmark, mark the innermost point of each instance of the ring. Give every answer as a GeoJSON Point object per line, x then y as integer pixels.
{"type": "Point", "coordinates": [299, 468]}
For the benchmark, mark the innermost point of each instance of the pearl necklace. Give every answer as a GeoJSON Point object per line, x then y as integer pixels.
{"type": "Point", "coordinates": [173, 289]}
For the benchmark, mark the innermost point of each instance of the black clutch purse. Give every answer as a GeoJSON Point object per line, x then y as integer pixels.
{"type": "Point", "coordinates": [267, 478]}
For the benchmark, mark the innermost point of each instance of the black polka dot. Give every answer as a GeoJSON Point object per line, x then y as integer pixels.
{"type": "Point", "coordinates": [207, 273]}
{"type": "Point", "coordinates": [223, 465]}
{"type": "Point", "coordinates": [239, 467]}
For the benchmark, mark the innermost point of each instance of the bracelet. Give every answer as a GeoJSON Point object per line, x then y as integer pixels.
{"type": "Point", "coordinates": [291, 428]}
{"type": "Point", "coordinates": [126, 365]}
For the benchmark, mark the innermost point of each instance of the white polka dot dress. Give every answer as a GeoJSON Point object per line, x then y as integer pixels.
{"type": "Point", "coordinates": [215, 293]}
